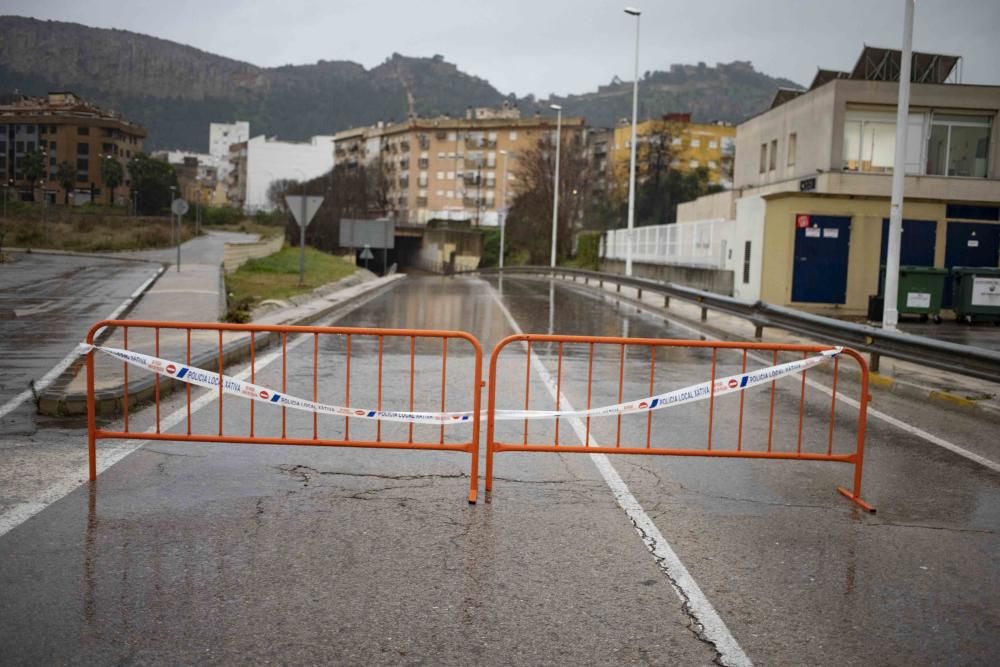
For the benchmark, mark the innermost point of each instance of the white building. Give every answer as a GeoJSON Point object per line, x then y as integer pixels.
{"type": "Point", "coordinates": [269, 160]}
{"type": "Point", "coordinates": [220, 137]}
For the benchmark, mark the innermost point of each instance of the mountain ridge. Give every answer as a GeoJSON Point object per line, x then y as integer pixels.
{"type": "Point", "coordinates": [175, 90]}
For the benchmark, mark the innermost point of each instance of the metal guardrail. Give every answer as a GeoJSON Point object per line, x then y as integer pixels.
{"type": "Point", "coordinates": [953, 357]}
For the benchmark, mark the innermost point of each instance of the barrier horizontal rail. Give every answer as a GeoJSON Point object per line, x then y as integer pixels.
{"type": "Point", "coordinates": [810, 444]}
{"type": "Point", "coordinates": [943, 355]}
{"type": "Point", "coordinates": [261, 336]}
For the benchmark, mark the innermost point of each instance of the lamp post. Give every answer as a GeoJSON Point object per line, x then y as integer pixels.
{"type": "Point", "coordinates": [890, 311]}
{"type": "Point", "coordinates": [632, 11]}
{"type": "Point", "coordinates": [503, 210]}
{"type": "Point", "coordinates": [555, 184]}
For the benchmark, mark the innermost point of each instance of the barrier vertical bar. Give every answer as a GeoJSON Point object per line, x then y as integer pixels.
{"type": "Point", "coordinates": [558, 388]}
{"type": "Point", "coordinates": [315, 383]}
{"type": "Point", "coordinates": [253, 351]}
{"type": "Point", "coordinates": [621, 386]}
{"type": "Point", "coordinates": [444, 377]}
{"type": "Point", "coordinates": [347, 390]}
{"type": "Point", "coordinates": [770, 419]}
{"type": "Point", "coordinates": [220, 383]}
{"type": "Point", "coordinates": [378, 424]}
{"type": "Point", "coordinates": [413, 350]}
{"type": "Point", "coordinates": [157, 380]}
{"type": "Point", "coordinates": [739, 433]}
{"type": "Point", "coordinates": [187, 385]}
{"type": "Point", "coordinates": [652, 373]}
{"type": "Point", "coordinates": [125, 365]}
{"type": "Point", "coordinates": [859, 456]}
{"type": "Point", "coordinates": [590, 384]}
{"type": "Point", "coordinates": [527, 386]}
{"type": "Point", "coordinates": [711, 399]}
{"type": "Point", "coordinates": [284, 375]}
{"type": "Point", "coordinates": [802, 407]}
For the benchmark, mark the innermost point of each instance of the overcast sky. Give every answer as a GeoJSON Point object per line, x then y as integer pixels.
{"type": "Point", "coordinates": [546, 46]}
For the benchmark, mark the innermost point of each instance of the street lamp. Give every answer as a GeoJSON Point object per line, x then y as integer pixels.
{"type": "Point", "coordinates": [503, 210]}
{"type": "Point", "coordinates": [632, 11]}
{"type": "Point", "coordinates": [555, 184]}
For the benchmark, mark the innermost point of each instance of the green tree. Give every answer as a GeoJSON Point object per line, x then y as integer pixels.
{"type": "Point", "coordinates": [152, 179]}
{"type": "Point", "coordinates": [112, 174]}
{"type": "Point", "coordinates": [32, 166]}
{"type": "Point", "coordinates": [66, 175]}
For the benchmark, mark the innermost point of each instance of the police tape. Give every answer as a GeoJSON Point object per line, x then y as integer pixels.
{"type": "Point", "coordinates": [235, 387]}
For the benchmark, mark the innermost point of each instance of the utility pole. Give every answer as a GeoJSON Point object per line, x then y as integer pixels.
{"type": "Point", "coordinates": [890, 311]}
{"type": "Point", "coordinates": [555, 185]}
{"type": "Point", "coordinates": [631, 11]}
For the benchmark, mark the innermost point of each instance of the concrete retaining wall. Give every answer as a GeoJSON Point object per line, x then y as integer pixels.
{"type": "Point", "coordinates": [719, 281]}
{"type": "Point", "coordinates": [237, 254]}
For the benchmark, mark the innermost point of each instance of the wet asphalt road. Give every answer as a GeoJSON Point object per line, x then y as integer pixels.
{"type": "Point", "coordinates": [208, 553]}
{"type": "Point", "coordinates": [47, 303]}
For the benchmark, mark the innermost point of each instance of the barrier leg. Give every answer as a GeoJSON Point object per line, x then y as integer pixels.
{"type": "Point", "coordinates": [92, 419]}
{"type": "Point", "coordinates": [474, 475]}
{"type": "Point", "coordinates": [854, 495]}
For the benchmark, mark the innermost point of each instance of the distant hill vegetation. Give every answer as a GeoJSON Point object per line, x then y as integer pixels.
{"type": "Point", "coordinates": [177, 90]}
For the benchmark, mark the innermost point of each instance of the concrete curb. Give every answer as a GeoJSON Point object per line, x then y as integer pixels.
{"type": "Point", "coordinates": [72, 253]}
{"type": "Point", "coordinates": [876, 381]}
{"type": "Point", "coordinates": [110, 401]}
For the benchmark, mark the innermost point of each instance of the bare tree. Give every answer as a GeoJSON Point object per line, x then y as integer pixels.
{"type": "Point", "coordinates": [530, 219]}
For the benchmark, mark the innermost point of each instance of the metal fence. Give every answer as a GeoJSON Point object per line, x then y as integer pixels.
{"type": "Point", "coordinates": [699, 243]}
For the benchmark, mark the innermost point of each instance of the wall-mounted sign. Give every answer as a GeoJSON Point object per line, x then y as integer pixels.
{"type": "Point", "coordinates": [812, 232]}
{"type": "Point", "coordinates": [831, 233]}
{"type": "Point", "coordinates": [807, 184]}
{"type": "Point", "coordinates": [802, 221]}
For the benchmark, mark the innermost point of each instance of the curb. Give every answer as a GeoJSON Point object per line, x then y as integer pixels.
{"type": "Point", "coordinates": [111, 401]}
{"type": "Point", "coordinates": [877, 381]}
{"type": "Point", "coordinates": [71, 253]}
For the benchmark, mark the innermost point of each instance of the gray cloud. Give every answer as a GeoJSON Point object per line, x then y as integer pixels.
{"type": "Point", "coordinates": [544, 46]}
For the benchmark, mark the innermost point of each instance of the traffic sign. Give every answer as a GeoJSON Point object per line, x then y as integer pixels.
{"type": "Point", "coordinates": [179, 206]}
{"type": "Point", "coordinates": [366, 254]}
{"type": "Point", "coordinates": [303, 208]}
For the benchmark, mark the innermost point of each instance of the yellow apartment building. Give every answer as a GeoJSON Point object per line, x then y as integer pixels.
{"type": "Point", "coordinates": [692, 145]}
{"type": "Point", "coordinates": [450, 168]}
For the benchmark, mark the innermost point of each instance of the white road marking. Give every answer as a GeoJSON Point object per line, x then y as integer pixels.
{"type": "Point", "coordinates": [106, 458]}
{"type": "Point", "coordinates": [67, 361]}
{"type": "Point", "coordinates": [713, 628]}
{"type": "Point", "coordinates": [872, 412]}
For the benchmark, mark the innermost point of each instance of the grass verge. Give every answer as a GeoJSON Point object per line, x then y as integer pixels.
{"type": "Point", "coordinates": [277, 277]}
{"type": "Point", "coordinates": [91, 233]}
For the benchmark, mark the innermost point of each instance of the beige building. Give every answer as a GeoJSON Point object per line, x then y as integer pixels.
{"type": "Point", "coordinates": [65, 128]}
{"type": "Point", "coordinates": [449, 168]}
{"type": "Point", "coordinates": [813, 179]}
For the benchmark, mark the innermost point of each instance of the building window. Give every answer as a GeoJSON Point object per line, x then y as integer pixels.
{"type": "Point", "coordinates": [695, 143]}
{"type": "Point", "coordinates": [676, 141]}
{"type": "Point", "coordinates": [712, 143]}
{"type": "Point", "coordinates": [82, 164]}
{"type": "Point", "coordinates": [870, 141]}
{"type": "Point", "coordinates": [746, 262]}
{"type": "Point", "coordinates": [18, 147]}
{"type": "Point", "coordinates": [958, 145]}
{"type": "Point", "coordinates": [792, 147]}
{"type": "Point", "coordinates": [763, 158]}
{"type": "Point", "coordinates": [773, 161]}
{"type": "Point", "coordinates": [83, 149]}
{"type": "Point", "coordinates": [440, 175]}
{"type": "Point", "coordinates": [82, 130]}
{"type": "Point", "coordinates": [693, 164]}
{"type": "Point", "coordinates": [513, 135]}
{"type": "Point", "coordinates": [712, 164]}
{"type": "Point", "coordinates": [81, 177]}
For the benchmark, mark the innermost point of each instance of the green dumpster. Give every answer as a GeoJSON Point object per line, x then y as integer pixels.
{"type": "Point", "coordinates": [921, 289]}
{"type": "Point", "coordinates": [976, 293]}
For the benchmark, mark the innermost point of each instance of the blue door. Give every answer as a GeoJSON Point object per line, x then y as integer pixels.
{"type": "Point", "coordinates": [821, 249]}
{"type": "Point", "coordinates": [970, 244]}
{"type": "Point", "coordinates": [917, 242]}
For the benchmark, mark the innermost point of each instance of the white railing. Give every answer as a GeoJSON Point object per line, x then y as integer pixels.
{"type": "Point", "coordinates": [701, 243]}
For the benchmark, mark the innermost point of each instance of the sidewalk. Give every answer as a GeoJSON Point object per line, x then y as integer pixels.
{"type": "Point", "coordinates": [911, 380]}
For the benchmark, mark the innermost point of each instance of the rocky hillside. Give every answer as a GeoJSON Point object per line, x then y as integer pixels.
{"type": "Point", "coordinates": [176, 90]}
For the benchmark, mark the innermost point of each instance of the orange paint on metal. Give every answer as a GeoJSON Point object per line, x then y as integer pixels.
{"type": "Point", "coordinates": [739, 431]}
{"type": "Point", "coordinates": [833, 402]}
{"type": "Point", "coordinates": [711, 398]}
{"type": "Point", "coordinates": [125, 366]}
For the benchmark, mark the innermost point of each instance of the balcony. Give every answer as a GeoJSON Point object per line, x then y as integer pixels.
{"type": "Point", "coordinates": [471, 179]}
{"type": "Point", "coordinates": [421, 202]}
{"type": "Point", "coordinates": [480, 143]}
{"type": "Point", "coordinates": [423, 163]}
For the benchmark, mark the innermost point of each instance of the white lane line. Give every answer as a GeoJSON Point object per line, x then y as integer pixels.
{"type": "Point", "coordinates": [108, 457]}
{"type": "Point", "coordinates": [67, 361]}
{"type": "Point", "coordinates": [713, 628]}
{"type": "Point", "coordinates": [872, 412]}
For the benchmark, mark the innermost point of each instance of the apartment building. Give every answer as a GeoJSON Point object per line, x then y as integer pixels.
{"type": "Point", "coordinates": [65, 128]}
{"type": "Point", "coordinates": [256, 163]}
{"type": "Point", "coordinates": [691, 146]}
{"type": "Point", "coordinates": [813, 180]}
{"type": "Point", "coordinates": [450, 168]}
{"type": "Point", "coordinates": [220, 137]}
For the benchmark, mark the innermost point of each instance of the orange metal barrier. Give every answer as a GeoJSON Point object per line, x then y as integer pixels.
{"type": "Point", "coordinates": [403, 379]}
{"type": "Point", "coordinates": [747, 428]}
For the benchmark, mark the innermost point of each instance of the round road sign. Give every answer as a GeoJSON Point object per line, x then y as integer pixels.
{"type": "Point", "coordinates": [179, 207]}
